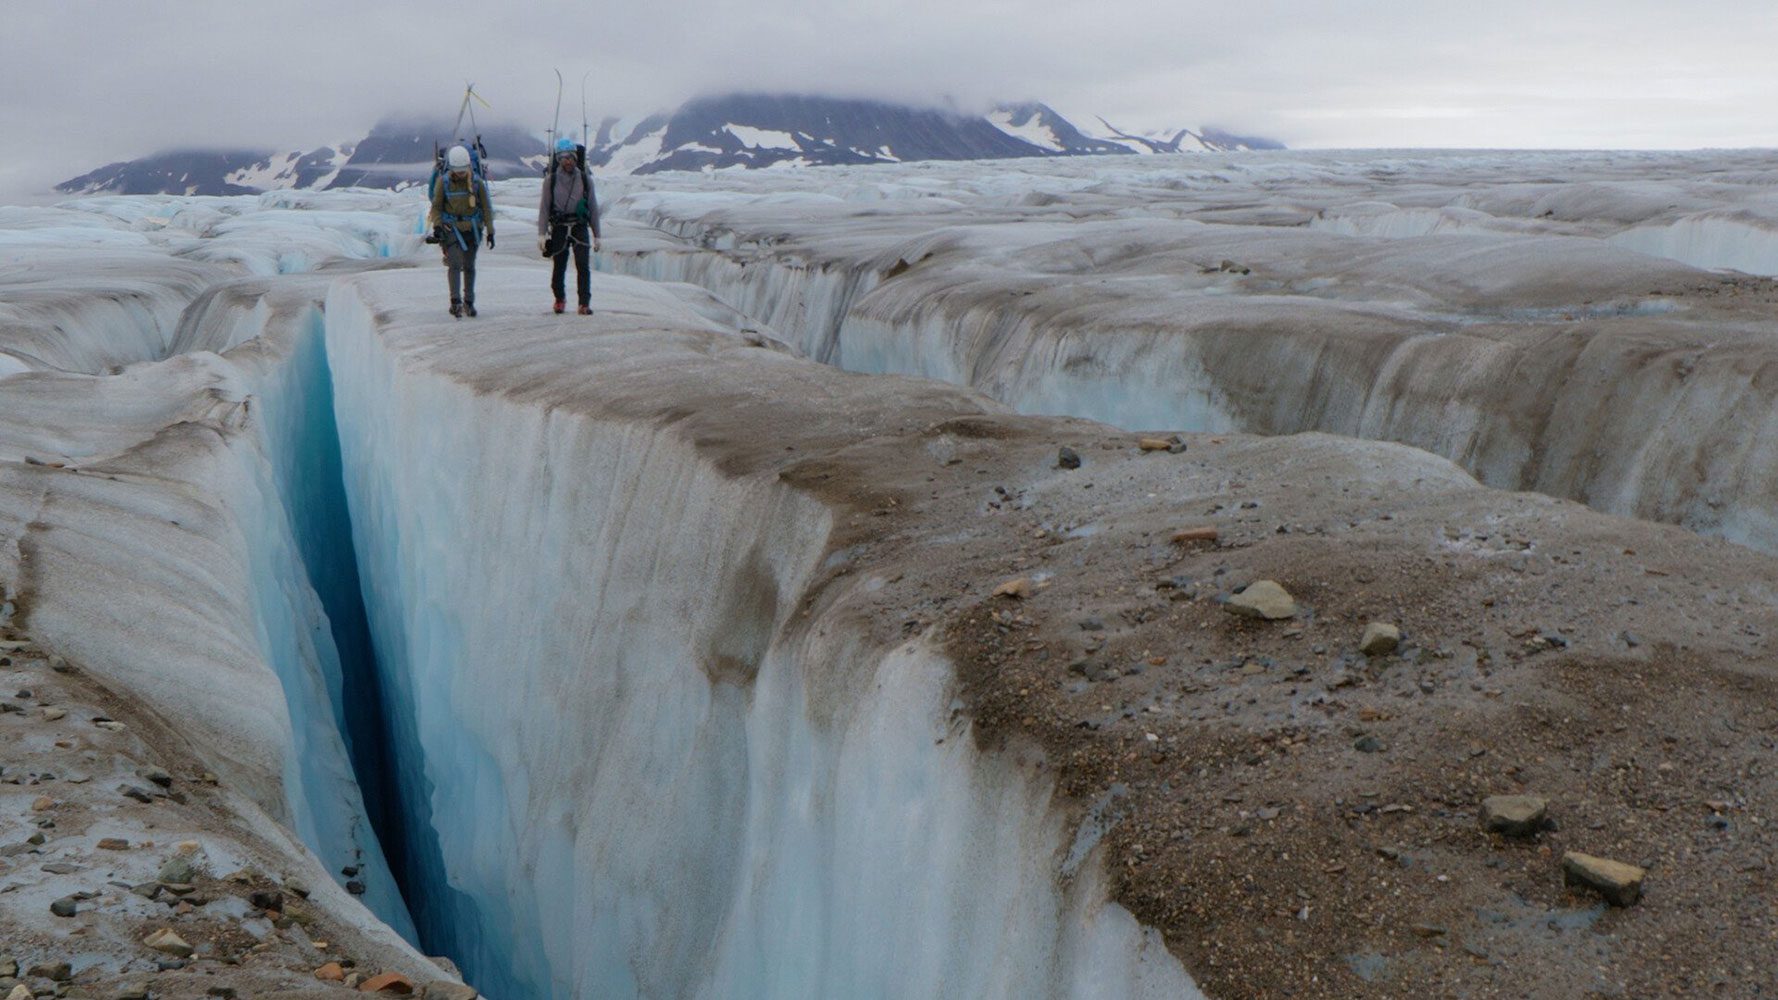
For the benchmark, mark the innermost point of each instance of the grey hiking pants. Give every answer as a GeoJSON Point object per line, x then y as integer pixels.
{"type": "Point", "coordinates": [460, 267]}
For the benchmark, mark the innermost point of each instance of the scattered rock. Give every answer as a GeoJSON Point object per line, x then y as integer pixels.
{"type": "Point", "coordinates": [132, 991]}
{"type": "Point", "coordinates": [225, 992]}
{"type": "Point", "coordinates": [1262, 599]}
{"type": "Point", "coordinates": [1188, 535]}
{"type": "Point", "coordinates": [1154, 444]}
{"type": "Point", "coordinates": [65, 907]}
{"type": "Point", "coordinates": [55, 714]}
{"type": "Point", "coordinates": [392, 983]}
{"type": "Point", "coordinates": [21, 992]}
{"type": "Point", "coordinates": [133, 792]}
{"type": "Point", "coordinates": [43, 803]}
{"type": "Point", "coordinates": [55, 972]}
{"type": "Point", "coordinates": [110, 725]}
{"type": "Point", "coordinates": [445, 990]}
{"type": "Point", "coordinates": [297, 887]}
{"type": "Point", "coordinates": [1066, 458]}
{"type": "Point", "coordinates": [355, 887]}
{"type": "Point", "coordinates": [155, 775]}
{"type": "Point", "coordinates": [1380, 639]}
{"type": "Point", "coordinates": [331, 973]}
{"type": "Point", "coordinates": [113, 844]}
{"type": "Point", "coordinates": [1514, 815]}
{"type": "Point", "coordinates": [1368, 744]}
{"type": "Point", "coordinates": [9, 968]}
{"type": "Point", "coordinates": [267, 901]}
{"type": "Point", "coordinates": [1619, 883]}
{"type": "Point", "coordinates": [181, 868]}
{"type": "Point", "coordinates": [167, 942]}
{"type": "Point", "coordinates": [1018, 589]}
{"type": "Point", "coordinates": [1428, 930]}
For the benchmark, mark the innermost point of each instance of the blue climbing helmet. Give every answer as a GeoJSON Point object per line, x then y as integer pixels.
{"type": "Point", "coordinates": [567, 147]}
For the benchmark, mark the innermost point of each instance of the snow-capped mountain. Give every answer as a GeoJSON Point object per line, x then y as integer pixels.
{"type": "Point", "coordinates": [753, 130]}
{"type": "Point", "coordinates": [756, 130]}
{"type": "Point", "coordinates": [1183, 140]}
{"type": "Point", "coordinates": [1041, 126]}
{"type": "Point", "coordinates": [747, 131]}
{"type": "Point", "coordinates": [398, 153]}
{"type": "Point", "coordinates": [210, 172]}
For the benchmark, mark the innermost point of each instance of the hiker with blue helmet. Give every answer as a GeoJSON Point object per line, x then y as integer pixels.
{"type": "Point", "coordinates": [461, 214]}
{"type": "Point", "coordinates": [568, 218]}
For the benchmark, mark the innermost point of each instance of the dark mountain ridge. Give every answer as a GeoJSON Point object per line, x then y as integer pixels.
{"type": "Point", "coordinates": [744, 131]}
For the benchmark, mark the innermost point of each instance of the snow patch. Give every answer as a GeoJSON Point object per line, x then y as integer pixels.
{"type": "Point", "coordinates": [759, 138]}
{"type": "Point", "coordinates": [1032, 131]}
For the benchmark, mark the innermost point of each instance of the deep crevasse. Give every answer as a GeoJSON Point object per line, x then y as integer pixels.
{"type": "Point", "coordinates": [637, 778]}
{"type": "Point", "coordinates": [168, 561]}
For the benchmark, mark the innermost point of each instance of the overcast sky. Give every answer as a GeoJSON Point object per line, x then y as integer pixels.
{"type": "Point", "coordinates": [86, 82]}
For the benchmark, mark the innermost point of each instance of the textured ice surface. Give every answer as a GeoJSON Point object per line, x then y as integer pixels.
{"type": "Point", "coordinates": [1493, 308]}
{"type": "Point", "coordinates": [634, 783]}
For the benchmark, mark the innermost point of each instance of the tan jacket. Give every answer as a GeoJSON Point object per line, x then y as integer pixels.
{"type": "Point", "coordinates": [462, 201]}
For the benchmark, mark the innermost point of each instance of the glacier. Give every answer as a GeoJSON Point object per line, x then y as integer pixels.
{"type": "Point", "coordinates": [1558, 337]}
{"type": "Point", "coordinates": [561, 637]}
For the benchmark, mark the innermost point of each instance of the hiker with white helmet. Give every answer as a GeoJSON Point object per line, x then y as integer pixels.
{"type": "Point", "coordinates": [461, 212]}
{"type": "Point", "coordinates": [568, 210]}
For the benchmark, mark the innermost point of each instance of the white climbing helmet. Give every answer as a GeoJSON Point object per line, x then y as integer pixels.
{"type": "Point", "coordinates": [458, 158]}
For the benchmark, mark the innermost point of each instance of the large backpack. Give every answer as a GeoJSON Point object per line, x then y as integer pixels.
{"type": "Point", "coordinates": [478, 180]}
{"type": "Point", "coordinates": [478, 164]}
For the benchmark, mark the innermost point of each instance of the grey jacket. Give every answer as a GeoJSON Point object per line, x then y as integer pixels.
{"type": "Point", "coordinates": [566, 198]}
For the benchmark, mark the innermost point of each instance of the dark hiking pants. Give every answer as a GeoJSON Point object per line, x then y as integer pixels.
{"type": "Point", "coordinates": [575, 235]}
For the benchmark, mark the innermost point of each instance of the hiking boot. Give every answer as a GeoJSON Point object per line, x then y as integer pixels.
{"type": "Point", "coordinates": [560, 305]}
{"type": "Point", "coordinates": [456, 309]}
{"type": "Point", "coordinates": [586, 310]}
{"type": "Point", "coordinates": [469, 309]}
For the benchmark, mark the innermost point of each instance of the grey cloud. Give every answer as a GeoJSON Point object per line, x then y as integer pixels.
{"type": "Point", "coordinates": [114, 80]}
